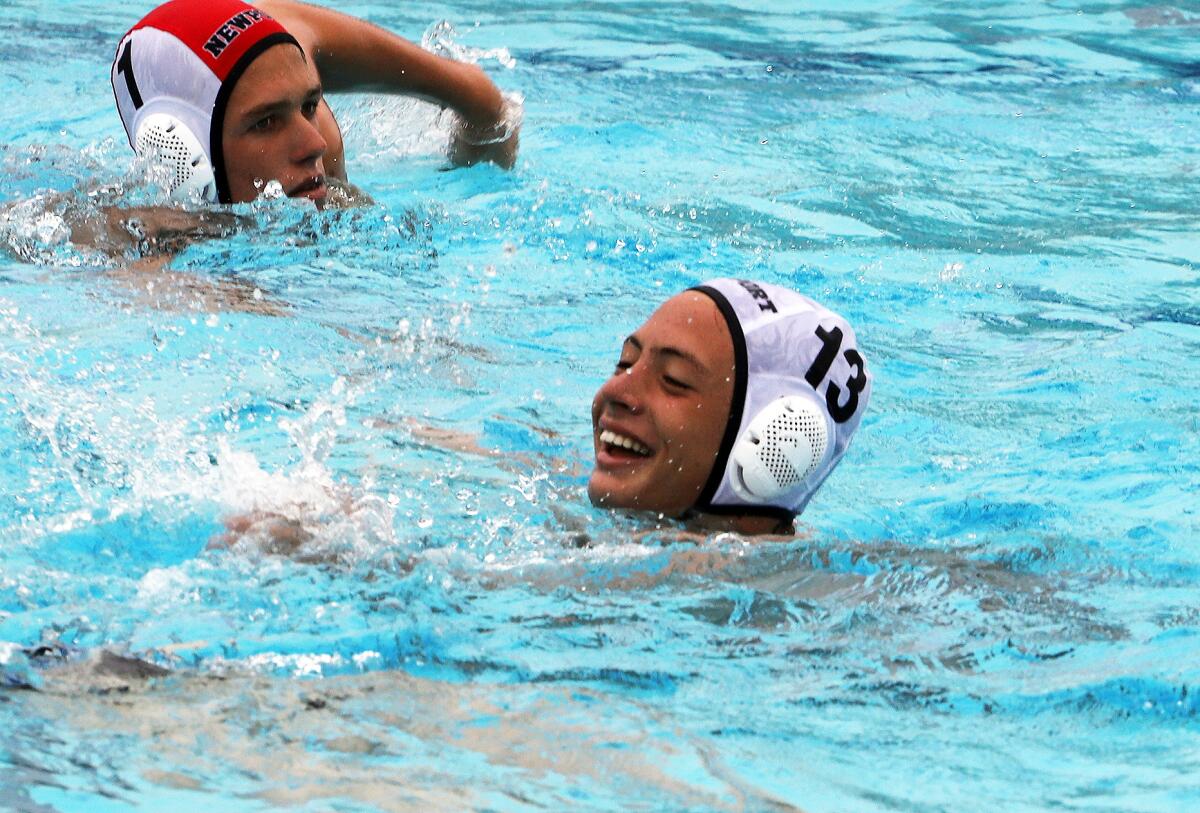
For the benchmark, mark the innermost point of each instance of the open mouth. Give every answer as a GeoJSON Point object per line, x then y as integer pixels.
{"type": "Point", "coordinates": [312, 187]}
{"type": "Point", "coordinates": [622, 445]}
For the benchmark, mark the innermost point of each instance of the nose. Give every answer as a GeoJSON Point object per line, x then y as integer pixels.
{"type": "Point", "coordinates": [308, 145]}
{"type": "Point", "coordinates": [625, 389]}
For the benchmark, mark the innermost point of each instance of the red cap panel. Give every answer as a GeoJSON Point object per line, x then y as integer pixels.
{"type": "Point", "coordinates": [219, 32]}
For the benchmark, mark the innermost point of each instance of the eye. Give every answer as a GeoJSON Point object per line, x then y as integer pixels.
{"type": "Point", "coordinates": [264, 124]}
{"type": "Point", "coordinates": [671, 381]}
{"type": "Point", "coordinates": [309, 109]}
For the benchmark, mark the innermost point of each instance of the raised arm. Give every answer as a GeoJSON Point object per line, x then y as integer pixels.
{"type": "Point", "coordinates": [354, 55]}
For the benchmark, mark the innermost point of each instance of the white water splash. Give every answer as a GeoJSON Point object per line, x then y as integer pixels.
{"type": "Point", "coordinates": [33, 231]}
{"type": "Point", "coordinates": [442, 39]}
{"type": "Point", "coordinates": [95, 441]}
{"type": "Point", "coordinates": [399, 127]}
{"type": "Point", "coordinates": [304, 510]}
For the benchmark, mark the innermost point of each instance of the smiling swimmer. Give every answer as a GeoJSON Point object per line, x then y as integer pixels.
{"type": "Point", "coordinates": [728, 409]}
{"type": "Point", "coordinates": [731, 405]}
{"type": "Point", "coordinates": [227, 96]}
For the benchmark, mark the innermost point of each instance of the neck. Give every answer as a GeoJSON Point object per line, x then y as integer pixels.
{"type": "Point", "coordinates": [744, 524]}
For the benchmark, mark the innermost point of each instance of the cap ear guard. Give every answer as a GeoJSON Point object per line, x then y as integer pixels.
{"type": "Point", "coordinates": [782, 438]}
{"type": "Point", "coordinates": [167, 142]}
{"type": "Point", "coordinates": [779, 449]}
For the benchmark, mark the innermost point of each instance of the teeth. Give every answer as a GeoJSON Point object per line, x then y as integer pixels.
{"type": "Point", "coordinates": [613, 439]}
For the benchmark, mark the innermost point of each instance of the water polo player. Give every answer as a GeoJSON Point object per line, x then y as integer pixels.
{"type": "Point", "coordinates": [229, 96]}
{"type": "Point", "coordinates": [728, 409]}
{"type": "Point", "coordinates": [731, 404]}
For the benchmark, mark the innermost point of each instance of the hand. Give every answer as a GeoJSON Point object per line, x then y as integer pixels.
{"type": "Point", "coordinates": [496, 142]}
{"type": "Point", "coordinates": [465, 150]}
{"type": "Point", "coordinates": [274, 532]}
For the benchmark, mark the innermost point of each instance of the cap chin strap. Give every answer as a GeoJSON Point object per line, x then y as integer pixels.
{"type": "Point", "coordinates": [782, 517]}
{"type": "Point", "coordinates": [167, 143]}
{"type": "Point", "coordinates": [779, 449]}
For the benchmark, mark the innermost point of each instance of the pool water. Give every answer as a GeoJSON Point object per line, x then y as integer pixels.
{"type": "Point", "coordinates": [992, 603]}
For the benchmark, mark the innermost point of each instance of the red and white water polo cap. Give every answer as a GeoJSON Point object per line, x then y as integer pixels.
{"type": "Point", "coordinates": [173, 75]}
{"type": "Point", "coordinates": [800, 389]}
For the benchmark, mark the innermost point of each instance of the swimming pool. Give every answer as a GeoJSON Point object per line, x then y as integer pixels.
{"type": "Point", "coordinates": [994, 604]}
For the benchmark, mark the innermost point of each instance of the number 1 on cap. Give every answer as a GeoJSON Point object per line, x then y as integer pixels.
{"type": "Point", "coordinates": [125, 68]}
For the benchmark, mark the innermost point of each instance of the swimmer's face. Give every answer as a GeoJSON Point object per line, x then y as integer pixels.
{"type": "Point", "coordinates": [668, 400]}
{"type": "Point", "coordinates": [270, 131]}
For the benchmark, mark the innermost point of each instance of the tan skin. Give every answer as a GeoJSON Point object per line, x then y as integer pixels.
{"type": "Point", "coordinates": [353, 55]}
{"type": "Point", "coordinates": [670, 395]}
{"type": "Point", "coordinates": [272, 129]}
{"type": "Point", "coordinates": [279, 127]}
{"type": "Point", "coordinates": [669, 399]}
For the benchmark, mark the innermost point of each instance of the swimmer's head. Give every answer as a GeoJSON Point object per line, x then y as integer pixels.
{"type": "Point", "coordinates": [735, 399]}
{"type": "Point", "coordinates": [223, 97]}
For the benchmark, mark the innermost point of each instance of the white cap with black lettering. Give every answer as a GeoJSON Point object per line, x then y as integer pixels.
{"type": "Point", "coordinates": [801, 386]}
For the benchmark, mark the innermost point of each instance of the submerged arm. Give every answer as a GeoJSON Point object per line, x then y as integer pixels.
{"type": "Point", "coordinates": [153, 235]}
{"type": "Point", "coordinates": [354, 55]}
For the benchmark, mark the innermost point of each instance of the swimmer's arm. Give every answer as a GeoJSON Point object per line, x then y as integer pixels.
{"type": "Point", "coordinates": [453, 440]}
{"type": "Point", "coordinates": [149, 230]}
{"type": "Point", "coordinates": [354, 55]}
{"type": "Point", "coordinates": [154, 235]}
{"type": "Point", "coordinates": [149, 282]}
{"type": "Point", "coordinates": [158, 234]}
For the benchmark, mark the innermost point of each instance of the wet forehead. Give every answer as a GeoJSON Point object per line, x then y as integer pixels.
{"type": "Point", "coordinates": [280, 74]}
{"type": "Point", "coordinates": [691, 324]}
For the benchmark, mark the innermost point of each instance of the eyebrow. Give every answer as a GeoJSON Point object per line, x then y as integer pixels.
{"type": "Point", "coordinates": [674, 352]}
{"type": "Point", "coordinates": [278, 104]}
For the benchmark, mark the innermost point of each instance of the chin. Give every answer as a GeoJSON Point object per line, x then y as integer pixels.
{"type": "Point", "coordinates": [599, 496]}
{"type": "Point", "coordinates": [625, 497]}
{"type": "Point", "coordinates": [609, 494]}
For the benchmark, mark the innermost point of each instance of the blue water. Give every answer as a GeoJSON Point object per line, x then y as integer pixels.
{"type": "Point", "coordinates": [992, 604]}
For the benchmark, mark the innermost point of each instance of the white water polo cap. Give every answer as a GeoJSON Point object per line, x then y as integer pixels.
{"type": "Point", "coordinates": [800, 388]}
{"type": "Point", "coordinates": [172, 77]}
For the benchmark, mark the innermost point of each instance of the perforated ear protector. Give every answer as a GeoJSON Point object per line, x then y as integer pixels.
{"type": "Point", "coordinates": [172, 76]}
{"type": "Point", "coordinates": [782, 446]}
{"type": "Point", "coordinates": [167, 142]}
